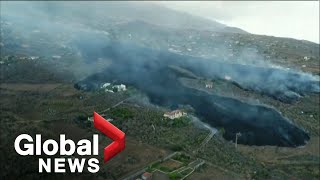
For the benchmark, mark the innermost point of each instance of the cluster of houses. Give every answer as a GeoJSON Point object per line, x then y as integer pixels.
{"type": "Point", "coordinates": [29, 58]}
{"type": "Point", "coordinates": [113, 88]}
{"type": "Point", "coordinates": [8, 59]}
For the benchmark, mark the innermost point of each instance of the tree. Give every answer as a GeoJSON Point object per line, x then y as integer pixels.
{"type": "Point", "coordinates": [222, 131]}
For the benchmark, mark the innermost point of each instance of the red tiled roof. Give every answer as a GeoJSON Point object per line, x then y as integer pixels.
{"type": "Point", "coordinates": [147, 175]}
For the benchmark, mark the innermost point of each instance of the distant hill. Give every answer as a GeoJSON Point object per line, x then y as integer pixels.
{"type": "Point", "coordinates": [53, 28]}
{"type": "Point", "coordinates": [117, 12]}
{"type": "Point", "coordinates": [229, 29]}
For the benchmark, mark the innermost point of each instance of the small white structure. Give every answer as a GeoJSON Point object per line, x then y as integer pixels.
{"type": "Point", "coordinates": [90, 119]}
{"type": "Point", "coordinates": [306, 58]}
{"type": "Point", "coordinates": [228, 78]}
{"type": "Point", "coordinates": [105, 85]}
{"type": "Point", "coordinates": [108, 90]}
{"type": "Point", "coordinates": [34, 57]}
{"type": "Point", "coordinates": [115, 88]}
{"type": "Point", "coordinates": [106, 33]}
{"type": "Point", "coordinates": [209, 85]}
{"type": "Point", "coordinates": [120, 87]}
{"type": "Point", "coordinates": [123, 87]}
{"type": "Point", "coordinates": [174, 114]}
{"type": "Point", "coordinates": [174, 50]}
{"type": "Point", "coordinates": [56, 57]}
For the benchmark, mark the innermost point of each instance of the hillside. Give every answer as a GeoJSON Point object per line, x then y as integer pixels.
{"type": "Point", "coordinates": [117, 12]}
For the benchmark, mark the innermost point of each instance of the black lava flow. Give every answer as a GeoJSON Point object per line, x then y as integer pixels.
{"type": "Point", "coordinates": [148, 70]}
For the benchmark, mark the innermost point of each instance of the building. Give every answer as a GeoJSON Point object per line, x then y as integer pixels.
{"type": "Point", "coordinates": [116, 88]}
{"type": "Point", "coordinates": [120, 87]}
{"type": "Point", "coordinates": [174, 114]}
{"type": "Point", "coordinates": [34, 57]}
{"type": "Point", "coordinates": [108, 90]}
{"type": "Point", "coordinates": [146, 176]}
{"type": "Point", "coordinates": [228, 78]}
{"type": "Point", "coordinates": [56, 57]}
{"type": "Point", "coordinates": [209, 85]}
{"type": "Point", "coordinates": [91, 119]}
{"type": "Point", "coordinates": [105, 85]}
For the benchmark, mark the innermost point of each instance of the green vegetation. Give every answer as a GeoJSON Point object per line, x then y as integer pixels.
{"type": "Point", "coordinates": [174, 176]}
{"type": "Point", "coordinates": [124, 113]}
{"type": "Point", "coordinates": [222, 131]}
{"type": "Point", "coordinates": [182, 158]}
{"type": "Point", "coordinates": [149, 169]}
{"type": "Point", "coordinates": [175, 147]}
{"type": "Point", "coordinates": [166, 169]}
{"type": "Point", "coordinates": [82, 121]}
{"type": "Point", "coordinates": [155, 165]}
{"type": "Point", "coordinates": [179, 122]}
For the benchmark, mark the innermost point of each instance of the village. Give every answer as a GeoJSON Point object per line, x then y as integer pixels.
{"type": "Point", "coordinates": [238, 48]}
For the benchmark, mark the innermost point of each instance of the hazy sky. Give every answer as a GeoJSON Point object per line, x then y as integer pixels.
{"type": "Point", "coordinates": [295, 19]}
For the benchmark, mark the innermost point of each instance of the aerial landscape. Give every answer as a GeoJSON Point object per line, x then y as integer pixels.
{"type": "Point", "coordinates": [197, 99]}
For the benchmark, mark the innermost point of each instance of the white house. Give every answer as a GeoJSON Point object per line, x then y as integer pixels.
{"type": "Point", "coordinates": [228, 78]}
{"type": "Point", "coordinates": [209, 85]}
{"type": "Point", "coordinates": [108, 90]}
{"type": "Point", "coordinates": [174, 114]}
{"type": "Point", "coordinates": [105, 85]}
{"type": "Point", "coordinates": [120, 87]}
{"type": "Point", "coordinates": [56, 57]}
{"type": "Point", "coordinates": [34, 57]}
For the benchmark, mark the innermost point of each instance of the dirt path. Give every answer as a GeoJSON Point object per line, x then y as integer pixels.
{"type": "Point", "coordinates": [119, 103]}
{"type": "Point", "coordinates": [206, 140]}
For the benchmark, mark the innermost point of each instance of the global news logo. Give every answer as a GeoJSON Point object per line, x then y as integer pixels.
{"type": "Point", "coordinates": [67, 147]}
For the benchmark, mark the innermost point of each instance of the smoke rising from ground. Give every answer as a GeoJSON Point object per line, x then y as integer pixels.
{"type": "Point", "coordinates": [147, 69]}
